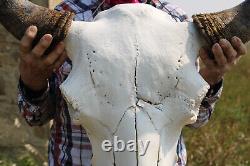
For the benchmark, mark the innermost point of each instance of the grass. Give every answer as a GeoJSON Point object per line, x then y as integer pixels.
{"type": "Point", "coordinates": [17, 157]}
{"type": "Point", "coordinates": [225, 140]}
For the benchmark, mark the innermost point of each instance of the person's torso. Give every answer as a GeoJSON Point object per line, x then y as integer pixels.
{"type": "Point", "coordinates": [69, 143]}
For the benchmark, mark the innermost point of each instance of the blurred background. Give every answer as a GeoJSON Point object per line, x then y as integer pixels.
{"type": "Point", "coordinates": [224, 141]}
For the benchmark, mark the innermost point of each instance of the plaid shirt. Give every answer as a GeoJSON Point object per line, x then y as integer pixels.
{"type": "Point", "coordinates": [69, 143]}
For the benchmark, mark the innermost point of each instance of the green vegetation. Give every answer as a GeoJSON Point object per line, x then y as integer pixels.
{"type": "Point", "coordinates": [225, 140]}
{"type": "Point", "coordinates": [17, 157]}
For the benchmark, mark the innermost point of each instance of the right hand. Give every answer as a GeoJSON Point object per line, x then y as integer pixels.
{"type": "Point", "coordinates": [35, 69]}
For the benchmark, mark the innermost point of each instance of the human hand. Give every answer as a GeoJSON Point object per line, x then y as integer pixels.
{"type": "Point", "coordinates": [35, 69]}
{"type": "Point", "coordinates": [226, 55]}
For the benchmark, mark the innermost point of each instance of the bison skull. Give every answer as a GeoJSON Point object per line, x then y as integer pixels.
{"type": "Point", "coordinates": [134, 76]}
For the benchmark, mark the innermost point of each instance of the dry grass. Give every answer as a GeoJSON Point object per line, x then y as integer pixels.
{"type": "Point", "coordinates": [225, 140]}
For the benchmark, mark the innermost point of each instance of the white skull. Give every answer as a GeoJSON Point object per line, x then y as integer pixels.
{"type": "Point", "coordinates": [134, 76]}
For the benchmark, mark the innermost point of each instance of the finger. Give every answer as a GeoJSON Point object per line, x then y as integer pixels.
{"type": "Point", "coordinates": [42, 45]}
{"type": "Point", "coordinates": [203, 54]}
{"type": "Point", "coordinates": [228, 50]}
{"type": "Point", "coordinates": [219, 56]}
{"type": "Point", "coordinates": [239, 46]}
{"type": "Point", "coordinates": [27, 39]}
{"type": "Point", "coordinates": [55, 54]}
{"type": "Point", "coordinates": [60, 61]}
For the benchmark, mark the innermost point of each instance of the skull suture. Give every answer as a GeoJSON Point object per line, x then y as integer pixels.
{"type": "Point", "coordinates": [134, 73]}
{"type": "Point", "coordinates": [134, 76]}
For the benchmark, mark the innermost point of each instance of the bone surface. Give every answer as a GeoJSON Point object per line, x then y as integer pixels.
{"type": "Point", "coordinates": [134, 76]}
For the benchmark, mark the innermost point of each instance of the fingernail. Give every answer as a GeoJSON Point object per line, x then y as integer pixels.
{"type": "Point", "coordinates": [216, 45]}
{"type": "Point", "coordinates": [47, 38]}
{"type": "Point", "coordinates": [234, 39]}
{"type": "Point", "coordinates": [238, 39]}
{"type": "Point", "coordinates": [223, 42]}
{"type": "Point", "coordinates": [33, 29]}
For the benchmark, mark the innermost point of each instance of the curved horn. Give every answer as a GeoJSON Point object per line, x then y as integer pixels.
{"type": "Point", "coordinates": [17, 15]}
{"type": "Point", "coordinates": [225, 24]}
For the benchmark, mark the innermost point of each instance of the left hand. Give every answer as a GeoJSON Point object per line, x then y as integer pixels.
{"type": "Point", "coordinates": [226, 55]}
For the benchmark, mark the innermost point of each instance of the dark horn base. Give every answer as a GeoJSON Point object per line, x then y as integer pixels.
{"type": "Point", "coordinates": [211, 27]}
{"type": "Point", "coordinates": [58, 26]}
{"type": "Point", "coordinates": [17, 16]}
{"type": "Point", "coordinates": [225, 24]}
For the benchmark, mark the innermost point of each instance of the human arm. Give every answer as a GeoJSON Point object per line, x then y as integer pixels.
{"type": "Point", "coordinates": [226, 54]}
{"type": "Point", "coordinates": [36, 98]}
{"type": "Point", "coordinates": [37, 93]}
{"type": "Point", "coordinates": [40, 108]}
